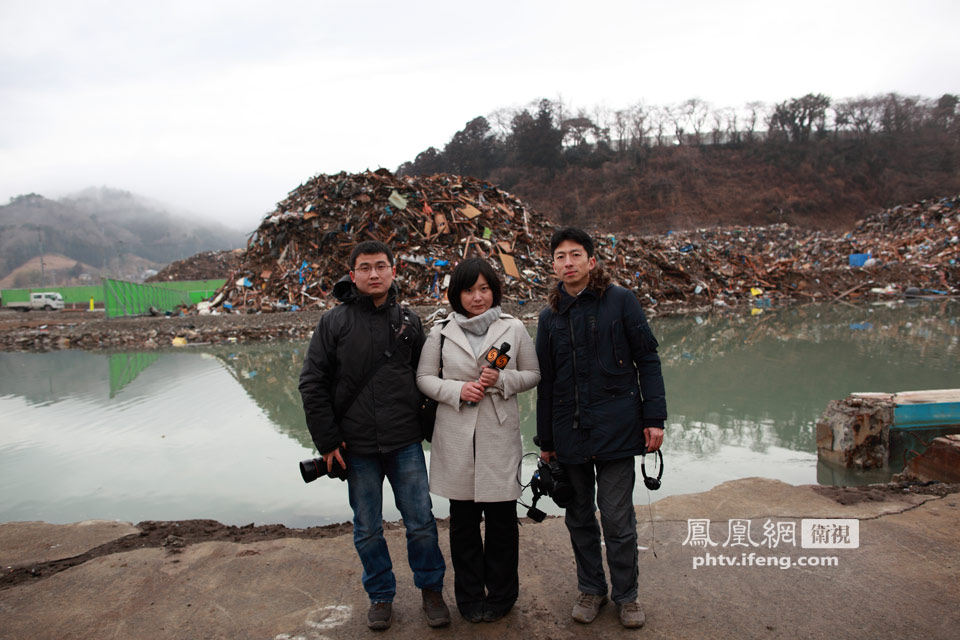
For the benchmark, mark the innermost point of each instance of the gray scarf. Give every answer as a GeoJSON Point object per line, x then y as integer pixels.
{"type": "Point", "coordinates": [476, 328]}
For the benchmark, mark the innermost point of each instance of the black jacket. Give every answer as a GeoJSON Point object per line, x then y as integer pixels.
{"type": "Point", "coordinates": [346, 344]}
{"type": "Point", "coordinates": [601, 382]}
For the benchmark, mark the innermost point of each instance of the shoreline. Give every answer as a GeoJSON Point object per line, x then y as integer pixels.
{"type": "Point", "coordinates": [39, 331]}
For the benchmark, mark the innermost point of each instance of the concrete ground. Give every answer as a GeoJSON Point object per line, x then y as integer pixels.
{"type": "Point", "coordinates": [903, 581]}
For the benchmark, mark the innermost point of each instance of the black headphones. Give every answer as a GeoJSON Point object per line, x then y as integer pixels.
{"type": "Point", "coordinates": [651, 483]}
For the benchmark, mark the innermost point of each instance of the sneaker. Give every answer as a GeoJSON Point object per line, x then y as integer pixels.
{"type": "Point", "coordinates": [438, 615]}
{"type": "Point", "coordinates": [631, 615]}
{"type": "Point", "coordinates": [587, 607]}
{"type": "Point", "coordinates": [380, 615]}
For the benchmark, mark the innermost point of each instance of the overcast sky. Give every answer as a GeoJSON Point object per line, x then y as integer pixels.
{"type": "Point", "coordinates": [220, 108]}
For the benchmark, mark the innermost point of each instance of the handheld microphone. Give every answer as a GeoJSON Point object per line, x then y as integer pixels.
{"type": "Point", "coordinates": [496, 359]}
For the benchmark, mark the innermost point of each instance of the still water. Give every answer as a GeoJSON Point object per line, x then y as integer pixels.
{"type": "Point", "coordinates": [217, 432]}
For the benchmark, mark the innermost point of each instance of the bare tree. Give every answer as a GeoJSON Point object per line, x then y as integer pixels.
{"type": "Point", "coordinates": [904, 114]}
{"type": "Point", "coordinates": [602, 117]}
{"type": "Point", "coordinates": [718, 119]}
{"type": "Point", "coordinates": [559, 111]}
{"type": "Point", "coordinates": [640, 121]}
{"type": "Point", "coordinates": [659, 118]}
{"type": "Point", "coordinates": [945, 115]}
{"type": "Point", "coordinates": [501, 122]}
{"type": "Point", "coordinates": [621, 124]}
{"type": "Point", "coordinates": [733, 131]}
{"type": "Point", "coordinates": [754, 113]}
{"type": "Point", "coordinates": [696, 112]}
{"type": "Point", "coordinates": [677, 118]}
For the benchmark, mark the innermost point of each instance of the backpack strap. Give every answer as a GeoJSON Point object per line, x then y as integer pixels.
{"type": "Point", "coordinates": [384, 357]}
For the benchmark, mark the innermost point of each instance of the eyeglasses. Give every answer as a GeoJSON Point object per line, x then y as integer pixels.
{"type": "Point", "coordinates": [365, 269]}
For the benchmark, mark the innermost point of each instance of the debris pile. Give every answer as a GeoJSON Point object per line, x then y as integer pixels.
{"type": "Point", "coordinates": [209, 265]}
{"type": "Point", "coordinates": [907, 247]}
{"type": "Point", "coordinates": [299, 251]}
{"type": "Point", "coordinates": [926, 233]}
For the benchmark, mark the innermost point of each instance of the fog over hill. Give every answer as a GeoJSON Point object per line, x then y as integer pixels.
{"type": "Point", "coordinates": [105, 228]}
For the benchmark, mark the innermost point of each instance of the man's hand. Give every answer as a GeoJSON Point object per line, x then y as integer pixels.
{"type": "Point", "coordinates": [547, 456]}
{"type": "Point", "coordinates": [471, 392]}
{"type": "Point", "coordinates": [330, 456]}
{"type": "Point", "coordinates": [653, 437]}
{"type": "Point", "coordinates": [489, 376]}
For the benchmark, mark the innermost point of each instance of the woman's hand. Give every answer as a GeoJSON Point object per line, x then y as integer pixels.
{"type": "Point", "coordinates": [471, 392]}
{"type": "Point", "coordinates": [489, 376]}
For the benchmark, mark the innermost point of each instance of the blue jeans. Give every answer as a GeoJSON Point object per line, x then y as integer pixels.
{"type": "Point", "coordinates": [407, 472]}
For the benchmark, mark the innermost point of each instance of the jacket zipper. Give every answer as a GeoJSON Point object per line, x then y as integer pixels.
{"type": "Point", "coordinates": [576, 379]}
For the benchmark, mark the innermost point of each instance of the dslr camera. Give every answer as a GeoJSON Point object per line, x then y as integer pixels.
{"type": "Point", "coordinates": [317, 468]}
{"type": "Point", "coordinates": [550, 479]}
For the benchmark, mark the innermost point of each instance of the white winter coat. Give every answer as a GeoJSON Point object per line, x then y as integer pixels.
{"type": "Point", "coordinates": [475, 451]}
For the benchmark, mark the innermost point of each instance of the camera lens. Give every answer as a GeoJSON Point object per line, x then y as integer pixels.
{"type": "Point", "coordinates": [312, 469]}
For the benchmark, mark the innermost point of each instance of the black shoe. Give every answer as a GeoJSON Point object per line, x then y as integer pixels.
{"type": "Point", "coordinates": [472, 613]}
{"type": "Point", "coordinates": [438, 615]}
{"type": "Point", "coordinates": [380, 615]}
{"type": "Point", "coordinates": [492, 614]}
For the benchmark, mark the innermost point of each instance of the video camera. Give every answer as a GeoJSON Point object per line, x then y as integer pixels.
{"type": "Point", "coordinates": [317, 468]}
{"type": "Point", "coordinates": [550, 479]}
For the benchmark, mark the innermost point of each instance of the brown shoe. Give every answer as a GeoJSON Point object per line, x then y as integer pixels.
{"type": "Point", "coordinates": [631, 615]}
{"type": "Point", "coordinates": [587, 607]}
{"type": "Point", "coordinates": [438, 615]}
{"type": "Point", "coordinates": [380, 615]}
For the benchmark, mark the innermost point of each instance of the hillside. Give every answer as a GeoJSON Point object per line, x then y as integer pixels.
{"type": "Point", "coordinates": [56, 270]}
{"type": "Point", "coordinates": [811, 161]}
{"type": "Point", "coordinates": [681, 188]}
{"type": "Point", "coordinates": [111, 231]}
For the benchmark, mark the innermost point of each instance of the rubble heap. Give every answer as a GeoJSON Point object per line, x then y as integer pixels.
{"type": "Point", "coordinates": [927, 233]}
{"type": "Point", "coordinates": [299, 251]}
{"type": "Point", "coordinates": [209, 265]}
{"type": "Point", "coordinates": [889, 252]}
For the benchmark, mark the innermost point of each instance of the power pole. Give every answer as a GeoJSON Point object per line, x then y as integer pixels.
{"type": "Point", "coordinates": [42, 274]}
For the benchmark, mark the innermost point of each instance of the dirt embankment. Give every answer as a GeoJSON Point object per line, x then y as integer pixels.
{"type": "Point", "coordinates": [48, 331]}
{"type": "Point", "coordinates": [68, 329]}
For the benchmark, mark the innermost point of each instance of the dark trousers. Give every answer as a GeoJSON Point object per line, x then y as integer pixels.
{"type": "Point", "coordinates": [485, 572]}
{"type": "Point", "coordinates": [611, 483]}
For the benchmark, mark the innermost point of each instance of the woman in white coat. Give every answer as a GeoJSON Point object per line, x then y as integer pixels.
{"type": "Point", "coordinates": [476, 448]}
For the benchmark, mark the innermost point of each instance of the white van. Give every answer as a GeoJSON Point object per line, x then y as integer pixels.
{"type": "Point", "coordinates": [47, 300]}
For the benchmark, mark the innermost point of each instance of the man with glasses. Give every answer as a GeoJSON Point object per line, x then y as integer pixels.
{"type": "Point", "coordinates": [361, 401]}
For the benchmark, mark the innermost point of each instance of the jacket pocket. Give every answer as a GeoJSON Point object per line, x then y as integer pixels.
{"type": "Point", "coordinates": [613, 352]}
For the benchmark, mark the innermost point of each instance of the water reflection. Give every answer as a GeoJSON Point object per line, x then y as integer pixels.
{"type": "Point", "coordinates": [269, 373]}
{"type": "Point", "coordinates": [760, 381]}
{"type": "Point", "coordinates": [217, 432]}
{"type": "Point", "coordinates": [125, 367]}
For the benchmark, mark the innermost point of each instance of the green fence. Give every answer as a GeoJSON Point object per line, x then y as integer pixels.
{"type": "Point", "coordinates": [197, 289]}
{"type": "Point", "coordinates": [71, 295]}
{"type": "Point", "coordinates": [131, 299]}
